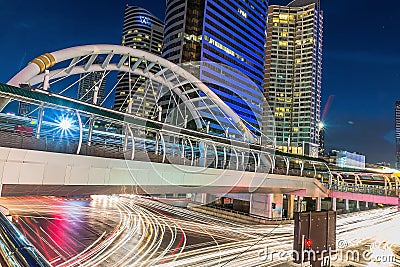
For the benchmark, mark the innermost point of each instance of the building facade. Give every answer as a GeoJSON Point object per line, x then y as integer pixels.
{"type": "Point", "coordinates": [230, 33]}
{"type": "Point", "coordinates": [397, 134]}
{"type": "Point", "coordinates": [293, 69]}
{"type": "Point", "coordinates": [142, 30]}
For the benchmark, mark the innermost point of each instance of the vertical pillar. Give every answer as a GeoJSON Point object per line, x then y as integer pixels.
{"type": "Point", "coordinates": [39, 121]}
{"type": "Point", "coordinates": [299, 200]}
{"type": "Point", "coordinates": [357, 205]}
{"type": "Point", "coordinates": [318, 204]}
{"type": "Point", "coordinates": [346, 205]}
{"type": "Point", "coordinates": [366, 205]}
{"type": "Point", "coordinates": [334, 202]}
{"type": "Point", "coordinates": [202, 198]}
{"type": "Point", "coordinates": [290, 212]}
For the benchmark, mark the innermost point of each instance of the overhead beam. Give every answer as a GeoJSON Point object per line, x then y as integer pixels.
{"type": "Point", "coordinates": [90, 61]}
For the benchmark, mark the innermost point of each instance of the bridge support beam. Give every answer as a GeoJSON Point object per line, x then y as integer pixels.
{"type": "Point", "coordinates": [366, 205]}
{"type": "Point", "coordinates": [334, 202]}
{"type": "Point", "coordinates": [299, 200]}
{"type": "Point", "coordinates": [318, 201]}
{"type": "Point", "coordinates": [346, 205]}
{"type": "Point", "coordinates": [290, 211]}
{"type": "Point", "coordinates": [357, 205]}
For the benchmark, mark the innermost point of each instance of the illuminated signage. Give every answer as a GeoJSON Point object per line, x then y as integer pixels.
{"type": "Point", "coordinates": [144, 20]}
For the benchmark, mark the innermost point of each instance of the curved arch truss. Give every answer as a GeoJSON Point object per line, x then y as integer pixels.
{"type": "Point", "coordinates": [178, 97]}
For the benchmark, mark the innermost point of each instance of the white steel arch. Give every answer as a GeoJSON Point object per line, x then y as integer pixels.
{"type": "Point", "coordinates": [33, 74]}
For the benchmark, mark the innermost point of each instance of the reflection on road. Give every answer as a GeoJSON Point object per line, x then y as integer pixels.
{"type": "Point", "coordinates": [137, 231]}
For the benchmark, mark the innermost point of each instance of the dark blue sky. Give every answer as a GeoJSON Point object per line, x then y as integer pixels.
{"type": "Point", "coordinates": [361, 66]}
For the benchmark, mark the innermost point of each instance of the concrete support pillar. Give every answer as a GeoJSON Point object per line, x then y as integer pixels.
{"type": "Point", "coordinates": [266, 205]}
{"type": "Point", "coordinates": [299, 200]}
{"type": "Point", "coordinates": [202, 198]}
{"type": "Point", "coordinates": [334, 202]}
{"type": "Point", "coordinates": [346, 205]}
{"type": "Point", "coordinates": [318, 204]}
{"type": "Point", "coordinates": [357, 205]}
{"type": "Point", "coordinates": [290, 212]}
{"type": "Point", "coordinates": [366, 205]}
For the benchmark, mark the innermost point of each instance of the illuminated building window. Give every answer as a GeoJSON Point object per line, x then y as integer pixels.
{"type": "Point", "coordinates": [242, 12]}
{"type": "Point", "coordinates": [281, 43]}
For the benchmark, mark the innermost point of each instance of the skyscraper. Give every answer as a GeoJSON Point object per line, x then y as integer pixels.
{"type": "Point", "coordinates": [398, 134]}
{"type": "Point", "coordinates": [229, 32]}
{"type": "Point", "coordinates": [142, 30]}
{"type": "Point", "coordinates": [293, 67]}
{"type": "Point", "coordinates": [90, 83]}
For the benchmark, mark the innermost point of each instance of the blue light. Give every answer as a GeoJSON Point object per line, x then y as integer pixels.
{"type": "Point", "coordinates": [144, 20]}
{"type": "Point", "coordinates": [64, 125]}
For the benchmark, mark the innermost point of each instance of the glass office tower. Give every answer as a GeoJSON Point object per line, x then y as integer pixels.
{"type": "Point", "coordinates": [293, 68]}
{"type": "Point", "coordinates": [228, 32]}
{"type": "Point", "coordinates": [142, 30]}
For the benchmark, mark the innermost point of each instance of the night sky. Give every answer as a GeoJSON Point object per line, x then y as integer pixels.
{"type": "Point", "coordinates": [361, 67]}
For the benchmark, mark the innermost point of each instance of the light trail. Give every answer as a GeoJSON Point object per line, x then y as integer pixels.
{"type": "Point", "coordinates": [138, 231]}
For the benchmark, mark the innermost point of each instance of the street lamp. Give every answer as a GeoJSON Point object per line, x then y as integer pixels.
{"type": "Point", "coordinates": [321, 141]}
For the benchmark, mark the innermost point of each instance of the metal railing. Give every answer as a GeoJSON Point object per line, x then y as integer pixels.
{"type": "Point", "coordinates": [362, 189]}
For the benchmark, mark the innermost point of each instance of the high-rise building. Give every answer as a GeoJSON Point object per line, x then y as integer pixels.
{"type": "Point", "coordinates": [142, 30]}
{"type": "Point", "coordinates": [398, 134]}
{"type": "Point", "coordinates": [90, 83]}
{"type": "Point", "coordinates": [293, 67]}
{"type": "Point", "coordinates": [228, 32]}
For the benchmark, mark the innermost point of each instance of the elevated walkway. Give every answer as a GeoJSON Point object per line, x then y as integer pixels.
{"type": "Point", "coordinates": [30, 172]}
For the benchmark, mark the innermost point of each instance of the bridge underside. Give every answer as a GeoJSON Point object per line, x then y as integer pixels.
{"type": "Point", "coordinates": [29, 172]}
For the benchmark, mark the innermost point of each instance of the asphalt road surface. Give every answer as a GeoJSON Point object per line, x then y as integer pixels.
{"type": "Point", "coordinates": [137, 231]}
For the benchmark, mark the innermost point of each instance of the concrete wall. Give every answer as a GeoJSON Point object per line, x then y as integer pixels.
{"type": "Point", "coordinates": [24, 172]}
